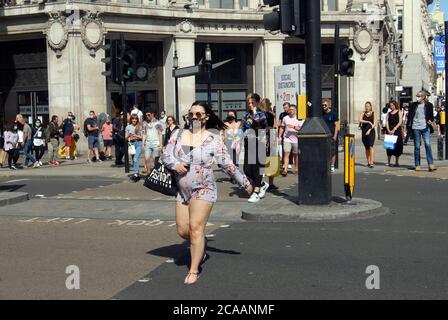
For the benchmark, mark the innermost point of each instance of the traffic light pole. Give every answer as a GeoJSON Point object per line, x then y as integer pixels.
{"type": "Point", "coordinates": [314, 138]}
{"type": "Point", "coordinates": [124, 103]}
{"type": "Point", "coordinates": [336, 84]}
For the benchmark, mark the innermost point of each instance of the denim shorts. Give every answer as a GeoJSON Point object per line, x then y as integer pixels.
{"type": "Point", "coordinates": [152, 152]}
{"type": "Point", "coordinates": [94, 142]}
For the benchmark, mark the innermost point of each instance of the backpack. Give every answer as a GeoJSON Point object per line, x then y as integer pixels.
{"type": "Point", "coordinates": [86, 132]}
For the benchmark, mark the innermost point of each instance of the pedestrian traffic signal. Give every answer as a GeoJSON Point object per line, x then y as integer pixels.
{"type": "Point", "coordinates": [346, 65]}
{"type": "Point", "coordinates": [288, 18]}
{"type": "Point", "coordinates": [112, 61]}
{"type": "Point", "coordinates": [129, 66]}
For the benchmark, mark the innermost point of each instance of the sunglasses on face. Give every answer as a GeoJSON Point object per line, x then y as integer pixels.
{"type": "Point", "coordinates": [197, 114]}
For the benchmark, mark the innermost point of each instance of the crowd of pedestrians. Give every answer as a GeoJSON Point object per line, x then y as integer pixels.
{"type": "Point", "coordinates": [416, 120]}
{"type": "Point", "coordinates": [264, 138]}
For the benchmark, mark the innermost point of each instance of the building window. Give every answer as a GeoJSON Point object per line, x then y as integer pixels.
{"type": "Point", "coordinates": [400, 20]}
{"type": "Point", "coordinates": [332, 5]}
{"type": "Point", "coordinates": [221, 4]}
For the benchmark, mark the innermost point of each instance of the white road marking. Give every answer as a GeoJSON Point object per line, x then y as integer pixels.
{"type": "Point", "coordinates": [225, 226]}
{"type": "Point", "coordinates": [144, 280]}
{"type": "Point", "coordinates": [39, 196]}
{"type": "Point", "coordinates": [170, 261]}
{"type": "Point", "coordinates": [211, 235]}
{"type": "Point", "coordinates": [18, 180]}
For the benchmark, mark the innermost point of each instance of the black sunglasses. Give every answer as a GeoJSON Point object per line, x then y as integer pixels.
{"type": "Point", "coordinates": [197, 114]}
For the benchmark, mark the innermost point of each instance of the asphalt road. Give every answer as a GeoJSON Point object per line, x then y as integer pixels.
{"type": "Point", "coordinates": [146, 260]}
{"type": "Point", "coordinates": [324, 260]}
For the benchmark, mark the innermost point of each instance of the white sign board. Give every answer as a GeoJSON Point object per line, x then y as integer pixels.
{"type": "Point", "coordinates": [290, 83]}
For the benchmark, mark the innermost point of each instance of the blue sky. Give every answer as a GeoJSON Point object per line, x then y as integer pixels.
{"type": "Point", "coordinates": [443, 5]}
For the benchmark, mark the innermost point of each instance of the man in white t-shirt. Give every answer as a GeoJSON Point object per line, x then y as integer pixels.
{"type": "Point", "coordinates": [136, 110]}
{"type": "Point", "coordinates": [152, 139]}
{"type": "Point", "coordinates": [290, 126]}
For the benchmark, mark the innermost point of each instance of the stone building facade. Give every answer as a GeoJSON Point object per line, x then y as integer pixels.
{"type": "Point", "coordinates": [51, 55]}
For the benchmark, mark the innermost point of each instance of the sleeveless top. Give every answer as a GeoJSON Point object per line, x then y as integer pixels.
{"type": "Point", "coordinates": [393, 120]}
{"type": "Point", "coordinates": [366, 126]}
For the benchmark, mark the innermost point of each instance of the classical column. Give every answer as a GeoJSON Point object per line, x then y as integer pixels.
{"type": "Point", "coordinates": [75, 81]}
{"type": "Point", "coordinates": [236, 4]}
{"type": "Point", "coordinates": [169, 96]}
{"type": "Point", "coordinates": [324, 5]}
{"type": "Point", "coordinates": [259, 67]}
{"type": "Point", "coordinates": [273, 57]}
{"type": "Point", "coordinates": [185, 46]}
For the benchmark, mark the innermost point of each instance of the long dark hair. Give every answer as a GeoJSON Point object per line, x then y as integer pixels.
{"type": "Point", "coordinates": [213, 121]}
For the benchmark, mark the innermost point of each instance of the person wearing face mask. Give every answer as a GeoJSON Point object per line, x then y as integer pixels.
{"type": "Point", "coordinates": [233, 136]}
{"type": "Point", "coordinates": [92, 131]}
{"type": "Point", "coordinates": [421, 118]}
{"type": "Point", "coordinates": [11, 145]}
{"type": "Point", "coordinates": [38, 142]}
{"type": "Point", "coordinates": [191, 154]}
{"type": "Point", "coordinates": [68, 129]}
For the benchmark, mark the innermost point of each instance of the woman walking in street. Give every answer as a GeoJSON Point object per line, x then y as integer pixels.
{"type": "Point", "coordinates": [11, 145]}
{"type": "Point", "coordinates": [191, 153]}
{"type": "Point", "coordinates": [134, 135]}
{"type": "Point", "coordinates": [171, 125]}
{"type": "Point", "coordinates": [394, 125]}
{"type": "Point", "coordinates": [38, 142]}
{"type": "Point", "coordinates": [368, 124]}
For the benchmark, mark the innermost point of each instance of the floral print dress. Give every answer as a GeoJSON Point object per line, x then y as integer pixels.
{"type": "Point", "coordinates": [199, 183]}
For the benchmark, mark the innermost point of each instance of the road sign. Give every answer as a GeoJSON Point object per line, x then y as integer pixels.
{"type": "Point", "coordinates": [187, 71]}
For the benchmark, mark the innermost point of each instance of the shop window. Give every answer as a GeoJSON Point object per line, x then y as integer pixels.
{"type": "Point", "coordinates": [234, 72]}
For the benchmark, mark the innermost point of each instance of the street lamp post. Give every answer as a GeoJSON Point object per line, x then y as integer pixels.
{"type": "Point", "coordinates": [176, 84]}
{"type": "Point", "coordinates": [208, 63]}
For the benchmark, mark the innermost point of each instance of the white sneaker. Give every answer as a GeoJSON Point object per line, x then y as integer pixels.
{"type": "Point", "coordinates": [254, 198]}
{"type": "Point", "coordinates": [289, 166]}
{"type": "Point", "coordinates": [332, 168]}
{"type": "Point", "coordinates": [263, 189]}
{"type": "Point", "coordinates": [40, 163]}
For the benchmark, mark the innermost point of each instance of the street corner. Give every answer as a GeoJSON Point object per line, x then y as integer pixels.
{"type": "Point", "coordinates": [287, 209]}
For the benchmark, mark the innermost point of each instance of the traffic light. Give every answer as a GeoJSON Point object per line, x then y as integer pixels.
{"type": "Point", "coordinates": [129, 64]}
{"type": "Point", "coordinates": [346, 65]}
{"type": "Point", "coordinates": [112, 61]}
{"type": "Point", "coordinates": [288, 18]}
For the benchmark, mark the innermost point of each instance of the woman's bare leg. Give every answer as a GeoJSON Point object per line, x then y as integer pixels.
{"type": "Point", "coordinates": [183, 220]}
{"type": "Point", "coordinates": [199, 213]}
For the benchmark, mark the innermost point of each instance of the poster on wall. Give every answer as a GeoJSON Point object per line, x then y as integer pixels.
{"type": "Point", "coordinates": [290, 86]}
{"type": "Point", "coordinates": [439, 53]}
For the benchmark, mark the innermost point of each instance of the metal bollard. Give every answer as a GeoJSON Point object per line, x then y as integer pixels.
{"type": "Point", "coordinates": [440, 146]}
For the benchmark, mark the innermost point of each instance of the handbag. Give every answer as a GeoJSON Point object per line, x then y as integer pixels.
{"type": "Point", "coordinates": [273, 166]}
{"type": "Point", "coordinates": [390, 141]}
{"type": "Point", "coordinates": [162, 180]}
{"type": "Point", "coordinates": [131, 149]}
